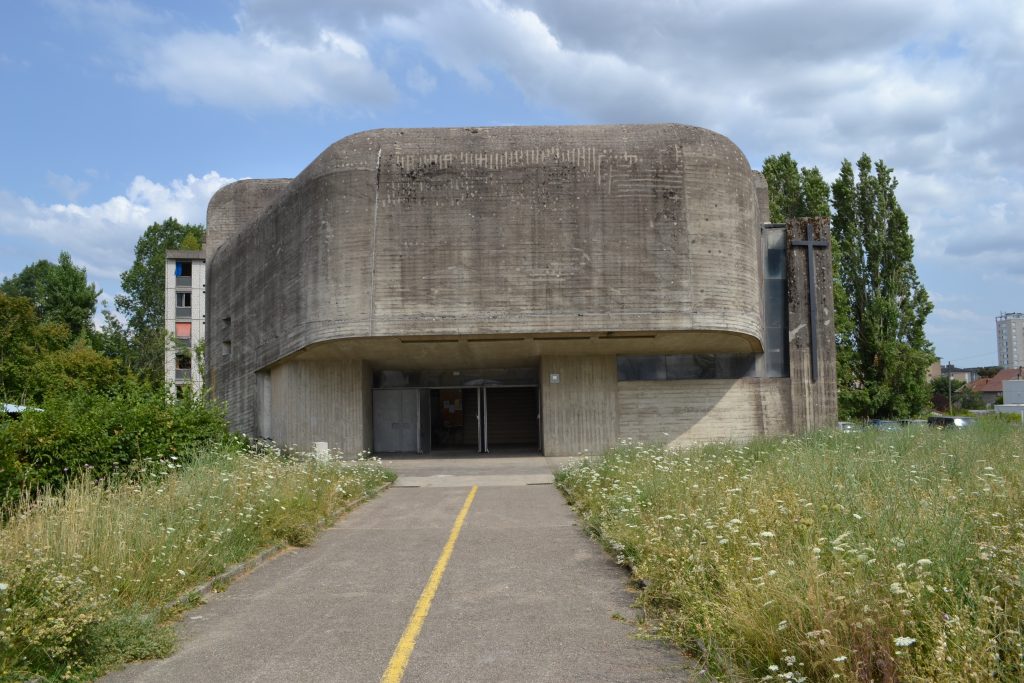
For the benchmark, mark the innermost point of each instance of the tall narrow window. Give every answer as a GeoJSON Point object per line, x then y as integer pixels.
{"type": "Point", "coordinates": [776, 314]}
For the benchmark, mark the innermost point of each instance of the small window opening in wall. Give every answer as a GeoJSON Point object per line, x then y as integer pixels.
{"type": "Point", "coordinates": [183, 269]}
{"type": "Point", "coordinates": [225, 348]}
{"type": "Point", "coordinates": [184, 299]}
{"type": "Point", "coordinates": [183, 361]}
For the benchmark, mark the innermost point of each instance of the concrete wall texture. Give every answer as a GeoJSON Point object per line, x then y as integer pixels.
{"type": "Point", "coordinates": [555, 248]}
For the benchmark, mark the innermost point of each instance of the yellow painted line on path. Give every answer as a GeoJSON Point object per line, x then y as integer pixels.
{"type": "Point", "coordinates": [400, 658]}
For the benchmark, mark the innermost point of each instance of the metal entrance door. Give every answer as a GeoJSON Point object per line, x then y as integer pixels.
{"type": "Point", "coordinates": [399, 422]}
{"type": "Point", "coordinates": [516, 417]}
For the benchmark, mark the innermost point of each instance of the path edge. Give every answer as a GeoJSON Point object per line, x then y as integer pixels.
{"type": "Point", "coordinates": [218, 583]}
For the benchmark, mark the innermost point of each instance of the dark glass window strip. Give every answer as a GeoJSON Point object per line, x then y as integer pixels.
{"type": "Point", "coordinates": [689, 366]}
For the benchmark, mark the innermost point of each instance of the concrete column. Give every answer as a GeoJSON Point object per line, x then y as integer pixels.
{"type": "Point", "coordinates": [578, 404]}
{"type": "Point", "coordinates": [814, 400]}
{"type": "Point", "coordinates": [321, 401]}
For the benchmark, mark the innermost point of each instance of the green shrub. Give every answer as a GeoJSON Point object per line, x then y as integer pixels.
{"type": "Point", "coordinates": [133, 430]}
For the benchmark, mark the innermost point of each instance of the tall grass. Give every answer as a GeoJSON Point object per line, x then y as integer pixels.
{"type": "Point", "coordinates": [868, 556]}
{"type": "Point", "coordinates": [84, 574]}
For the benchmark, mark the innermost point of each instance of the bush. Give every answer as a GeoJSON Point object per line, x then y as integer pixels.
{"type": "Point", "coordinates": [133, 430]}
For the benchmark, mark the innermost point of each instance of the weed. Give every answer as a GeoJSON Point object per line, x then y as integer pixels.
{"type": "Point", "coordinates": [831, 556]}
{"type": "Point", "coordinates": [84, 574]}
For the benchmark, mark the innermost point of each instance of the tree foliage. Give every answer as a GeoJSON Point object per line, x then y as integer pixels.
{"type": "Point", "coordinates": [60, 292]}
{"type": "Point", "coordinates": [880, 306]}
{"type": "Point", "coordinates": [873, 256]}
{"type": "Point", "coordinates": [142, 303]}
{"type": "Point", "coordinates": [943, 389]}
{"type": "Point", "coordinates": [40, 358]}
{"type": "Point", "coordinates": [794, 192]}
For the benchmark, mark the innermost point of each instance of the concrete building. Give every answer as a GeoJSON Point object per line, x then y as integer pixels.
{"type": "Point", "coordinates": [1010, 339]}
{"type": "Point", "coordinates": [185, 316]}
{"type": "Point", "coordinates": [550, 289]}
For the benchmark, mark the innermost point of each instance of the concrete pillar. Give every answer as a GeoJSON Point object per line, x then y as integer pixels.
{"type": "Point", "coordinates": [813, 389]}
{"type": "Point", "coordinates": [578, 404]}
{"type": "Point", "coordinates": [321, 401]}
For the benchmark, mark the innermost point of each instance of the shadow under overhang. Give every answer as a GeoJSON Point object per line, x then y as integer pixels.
{"type": "Point", "coordinates": [492, 351]}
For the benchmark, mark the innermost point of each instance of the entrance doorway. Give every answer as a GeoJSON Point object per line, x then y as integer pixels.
{"type": "Point", "coordinates": [479, 419]}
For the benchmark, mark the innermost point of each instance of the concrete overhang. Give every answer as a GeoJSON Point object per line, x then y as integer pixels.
{"type": "Point", "coordinates": [494, 351]}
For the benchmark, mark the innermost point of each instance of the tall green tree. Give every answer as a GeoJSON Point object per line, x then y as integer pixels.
{"type": "Point", "coordinates": [879, 304]}
{"type": "Point", "coordinates": [794, 192]}
{"type": "Point", "coordinates": [60, 292]}
{"type": "Point", "coordinates": [24, 339]}
{"type": "Point", "coordinates": [142, 303]}
{"type": "Point", "coordinates": [884, 349]}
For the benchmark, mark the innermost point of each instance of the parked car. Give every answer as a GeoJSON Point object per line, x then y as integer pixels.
{"type": "Point", "coordinates": [952, 421]}
{"type": "Point", "coordinates": [848, 427]}
{"type": "Point", "coordinates": [885, 425]}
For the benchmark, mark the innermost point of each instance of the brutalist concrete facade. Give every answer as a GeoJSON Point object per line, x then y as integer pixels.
{"type": "Point", "coordinates": [543, 259]}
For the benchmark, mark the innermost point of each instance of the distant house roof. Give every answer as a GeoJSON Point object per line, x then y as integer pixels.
{"type": "Point", "coordinates": [994, 384]}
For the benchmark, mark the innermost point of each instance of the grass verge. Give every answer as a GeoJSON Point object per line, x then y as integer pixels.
{"type": "Point", "coordinates": [867, 556]}
{"type": "Point", "coordinates": [85, 575]}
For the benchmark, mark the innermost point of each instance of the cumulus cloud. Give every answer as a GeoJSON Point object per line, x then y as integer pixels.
{"type": "Point", "coordinates": [259, 70]}
{"type": "Point", "coordinates": [102, 236]}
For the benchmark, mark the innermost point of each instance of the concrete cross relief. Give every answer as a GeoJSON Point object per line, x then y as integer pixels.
{"type": "Point", "coordinates": [812, 295]}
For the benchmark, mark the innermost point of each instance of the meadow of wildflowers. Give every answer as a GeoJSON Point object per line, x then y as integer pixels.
{"type": "Point", "coordinates": [834, 556]}
{"type": "Point", "coordinates": [85, 575]}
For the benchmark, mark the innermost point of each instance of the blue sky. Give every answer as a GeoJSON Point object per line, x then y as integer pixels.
{"type": "Point", "coordinates": [118, 113]}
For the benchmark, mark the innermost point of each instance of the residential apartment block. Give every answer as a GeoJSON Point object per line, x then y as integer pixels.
{"type": "Point", "coordinates": [1010, 339]}
{"type": "Point", "coordinates": [185, 316]}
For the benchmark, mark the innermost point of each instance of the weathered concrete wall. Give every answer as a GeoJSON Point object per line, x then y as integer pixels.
{"type": "Point", "coordinates": [579, 411]}
{"type": "Point", "coordinates": [233, 207]}
{"type": "Point", "coordinates": [321, 401]}
{"type": "Point", "coordinates": [687, 412]}
{"type": "Point", "coordinates": [814, 399]}
{"type": "Point", "coordinates": [486, 231]}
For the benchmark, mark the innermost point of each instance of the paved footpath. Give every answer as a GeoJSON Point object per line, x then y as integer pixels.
{"type": "Point", "coordinates": [526, 596]}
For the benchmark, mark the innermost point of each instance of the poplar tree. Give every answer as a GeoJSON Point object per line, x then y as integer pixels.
{"type": "Point", "coordinates": [880, 307]}
{"type": "Point", "coordinates": [884, 348]}
{"type": "Point", "coordinates": [794, 192]}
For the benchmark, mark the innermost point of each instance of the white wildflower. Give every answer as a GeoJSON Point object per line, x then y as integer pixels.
{"type": "Point", "coordinates": [4, 586]}
{"type": "Point", "coordinates": [182, 572]}
{"type": "Point", "coordinates": [904, 641]}
{"type": "Point", "coordinates": [840, 658]}
{"type": "Point", "coordinates": [783, 625]}
{"type": "Point", "coordinates": [767, 534]}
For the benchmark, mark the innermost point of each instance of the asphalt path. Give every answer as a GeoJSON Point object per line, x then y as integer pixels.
{"type": "Point", "coordinates": [525, 595]}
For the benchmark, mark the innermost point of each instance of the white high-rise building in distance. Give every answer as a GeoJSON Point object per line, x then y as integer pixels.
{"type": "Point", "coordinates": [1010, 339]}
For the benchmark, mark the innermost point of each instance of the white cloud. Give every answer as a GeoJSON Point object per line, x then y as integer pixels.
{"type": "Point", "coordinates": [102, 236]}
{"type": "Point", "coordinates": [259, 70]}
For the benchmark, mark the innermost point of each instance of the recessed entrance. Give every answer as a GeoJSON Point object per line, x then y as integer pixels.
{"type": "Point", "coordinates": [487, 417]}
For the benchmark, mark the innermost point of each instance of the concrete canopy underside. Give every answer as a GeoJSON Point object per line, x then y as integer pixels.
{"type": "Point", "coordinates": [485, 352]}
